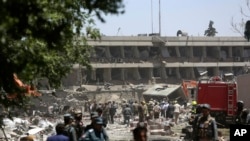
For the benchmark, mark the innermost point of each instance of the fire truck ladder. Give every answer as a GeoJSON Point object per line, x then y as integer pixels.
{"type": "Point", "coordinates": [230, 108]}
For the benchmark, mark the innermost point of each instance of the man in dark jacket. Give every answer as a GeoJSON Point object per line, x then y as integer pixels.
{"type": "Point", "coordinates": [59, 134]}
{"type": "Point", "coordinates": [112, 111]}
{"type": "Point", "coordinates": [127, 115]}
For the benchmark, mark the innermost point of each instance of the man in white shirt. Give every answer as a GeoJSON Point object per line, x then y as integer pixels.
{"type": "Point", "coordinates": [177, 109]}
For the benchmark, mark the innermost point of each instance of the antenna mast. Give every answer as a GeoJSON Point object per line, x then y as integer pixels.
{"type": "Point", "coordinates": [152, 23]}
{"type": "Point", "coordinates": [160, 17]}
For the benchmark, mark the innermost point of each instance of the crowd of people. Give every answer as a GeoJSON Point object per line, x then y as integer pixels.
{"type": "Point", "coordinates": [103, 114]}
{"type": "Point", "coordinates": [74, 129]}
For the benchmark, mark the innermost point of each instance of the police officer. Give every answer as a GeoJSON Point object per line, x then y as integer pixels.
{"type": "Point", "coordinates": [69, 128]}
{"type": "Point", "coordinates": [205, 126]}
{"type": "Point", "coordinates": [127, 115]}
{"type": "Point", "coordinates": [93, 116]}
{"type": "Point", "coordinates": [78, 124]}
{"type": "Point", "coordinates": [239, 112]}
{"type": "Point", "coordinates": [97, 133]}
{"type": "Point", "coordinates": [193, 120]}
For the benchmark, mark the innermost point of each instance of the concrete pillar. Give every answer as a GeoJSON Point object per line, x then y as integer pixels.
{"type": "Point", "coordinates": [231, 69]}
{"type": "Point", "coordinates": [93, 74]}
{"type": "Point", "coordinates": [192, 73]}
{"type": "Point", "coordinates": [191, 52]}
{"type": "Point", "coordinates": [136, 52]}
{"type": "Point", "coordinates": [107, 74]}
{"type": "Point", "coordinates": [204, 52]}
{"type": "Point", "coordinates": [177, 71]}
{"type": "Point", "coordinates": [177, 52]}
{"type": "Point", "coordinates": [150, 73]}
{"type": "Point", "coordinates": [136, 74]}
{"type": "Point", "coordinates": [107, 52]}
{"type": "Point", "coordinates": [188, 73]}
{"type": "Point", "coordinates": [230, 52]}
{"type": "Point", "coordinates": [241, 51]}
{"type": "Point", "coordinates": [163, 73]}
{"type": "Point", "coordinates": [122, 74]}
{"type": "Point", "coordinates": [216, 71]}
{"type": "Point", "coordinates": [218, 52]}
{"type": "Point", "coordinates": [122, 52]}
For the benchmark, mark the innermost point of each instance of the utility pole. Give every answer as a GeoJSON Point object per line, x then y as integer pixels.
{"type": "Point", "coordinates": [152, 19]}
{"type": "Point", "coordinates": [160, 17]}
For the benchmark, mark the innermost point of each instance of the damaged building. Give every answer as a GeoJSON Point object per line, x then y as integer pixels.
{"type": "Point", "coordinates": [139, 59]}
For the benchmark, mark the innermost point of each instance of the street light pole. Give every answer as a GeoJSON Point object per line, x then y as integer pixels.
{"type": "Point", "coordinates": [160, 17]}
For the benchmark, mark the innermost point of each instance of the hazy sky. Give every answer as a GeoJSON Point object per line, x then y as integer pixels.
{"type": "Point", "coordinates": [191, 16]}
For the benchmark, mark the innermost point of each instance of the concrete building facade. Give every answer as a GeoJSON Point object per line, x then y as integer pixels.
{"type": "Point", "coordinates": [139, 59]}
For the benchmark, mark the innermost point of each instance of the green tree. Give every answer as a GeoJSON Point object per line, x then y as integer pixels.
{"type": "Point", "coordinates": [44, 38]}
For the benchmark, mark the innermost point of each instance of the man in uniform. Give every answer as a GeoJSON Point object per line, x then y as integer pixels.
{"type": "Point", "coordinates": [127, 115]}
{"type": "Point", "coordinates": [69, 128]}
{"type": "Point", "coordinates": [93, 115]}
{"type": "Point", "coordinates": [78, 124]}
{"type": "Point", "coordinates": [96, 133]}
{"type": "Point", "coordinates": [205, 128]}
{"type": "Point", "coordinates": [112, 111]}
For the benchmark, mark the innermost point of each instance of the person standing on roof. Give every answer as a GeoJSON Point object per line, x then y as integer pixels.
{"type": "Point", "coordinates": [205, 128]}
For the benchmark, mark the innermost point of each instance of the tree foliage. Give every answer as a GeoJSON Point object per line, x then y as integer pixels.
{"type": "Point", "coordinates": [44, 38]}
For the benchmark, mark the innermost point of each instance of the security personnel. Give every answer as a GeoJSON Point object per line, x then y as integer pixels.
{"type": "Point", "coordinates": [239, 113]}
{"type": "Point", "coordinates": [205, 126]}
{"type": "Point", "coordinates": [69, 128]}
{"type": "Point", "coordinates": [194, 106]}
{"type": "Point", "coordinates": [93, 116]}
{"type": "Point", "coordinates": [127, 115]}
{"type": "Point", "coordinates": [193, 120]}
{"type": "Point", "coordinates": [97, 133]}
{"type": "Point", "coordinates": [78, 124]}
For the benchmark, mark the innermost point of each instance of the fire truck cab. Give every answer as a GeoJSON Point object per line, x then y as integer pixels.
{"type": "Point", "coordinates": [221, 95]}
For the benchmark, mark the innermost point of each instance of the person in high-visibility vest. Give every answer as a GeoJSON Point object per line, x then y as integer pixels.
{"type": "Point", "coordinates": [194, 106]}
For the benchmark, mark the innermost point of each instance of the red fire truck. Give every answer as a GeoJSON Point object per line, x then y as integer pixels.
{"type": "Point", "coordinates": [222, 97]}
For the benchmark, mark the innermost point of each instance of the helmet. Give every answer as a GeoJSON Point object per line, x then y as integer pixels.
{"type": "Point", "coordinates": [67, 116]}
{"type": "Point", "coordinates": [206, 106]}
{"type": "Point", "coordinates": [194, 102]}
{"type": "Point", "coordinates": [240, 102]}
